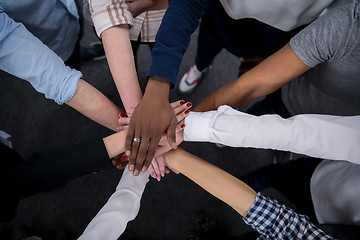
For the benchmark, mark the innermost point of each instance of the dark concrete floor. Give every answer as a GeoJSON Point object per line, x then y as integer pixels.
{"type": "Point", "coordinates": [168, 207]}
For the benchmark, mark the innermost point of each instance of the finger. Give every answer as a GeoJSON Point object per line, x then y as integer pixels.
{"type": "Point", "coordinates": [156, 168]}
{"type": "Point", "coordinates": [182, 108]}
{"type": "Point", "coordinates": [152, 171]}
{"type": "Point", "coordinates": [151, 151]}
{"type": "Point", "coordinates": [123, 121]}
{"type": "Point", "coordinates": [161, 164]}
{"type": "Point", "coordinates": [133, 153]}
{"type": "Point", "coordinates": [167, 170]}
{"type": "Point", "coordinates": [171, 133]}
{"type": "Point", "coordinates": [179, 127]}
{"type": "Point", "coordinates": [128, 141]}
{"type": "Point", "coordinates": [175, 171]}
{"type": "Point", "coordinates": [181, 116]}
{"type": "Point", "coordinates": [177, 103]}
{"type": "Point", "coordinates": [140, 155]}
{"type": "Point", "coordinates": [122, 165]}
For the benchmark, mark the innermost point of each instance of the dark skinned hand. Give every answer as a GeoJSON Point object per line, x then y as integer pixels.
{"type": "Point", "coordinates": [151, 118]}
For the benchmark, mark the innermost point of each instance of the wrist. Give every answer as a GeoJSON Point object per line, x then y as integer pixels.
{"type": "Point", "coordinates": [159, 87]}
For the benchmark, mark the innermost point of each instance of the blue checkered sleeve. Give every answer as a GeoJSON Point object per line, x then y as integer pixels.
{"type": "Point", "coordinates": [275, 221]}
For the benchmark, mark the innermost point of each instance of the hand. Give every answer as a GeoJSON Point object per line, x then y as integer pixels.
{"type": "Point", "coordinates": [139, 6]}
{"type": "Point", "coordinates": [120, 161]}
{"type": "Point", "coordinates": [151, 118]}
{"type": "Point", "coordinates": [123, 122]}
{"type": "Point", "coordinates": [157, 168]}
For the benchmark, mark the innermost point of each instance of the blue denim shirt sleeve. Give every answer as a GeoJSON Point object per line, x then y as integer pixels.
{"type": "Point", "coordinates": [173, 37]}
{"type": "Point", "coordinates": [26, 57]}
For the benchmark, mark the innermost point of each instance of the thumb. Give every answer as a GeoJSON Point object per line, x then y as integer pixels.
{"type": "Point", "coordinates": [171, 133]}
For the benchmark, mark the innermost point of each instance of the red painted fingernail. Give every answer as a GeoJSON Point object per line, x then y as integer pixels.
{"type": "Point", "coordinates": [189, 105]}
{"type": "Point", "coordinates": [122, 115]}
{"type": "Point", "coordinates": [187, 111]}
{"type": "Point", "coordinates": [182, 125]}
{"type": "Point", "coordinates": [182, 102]}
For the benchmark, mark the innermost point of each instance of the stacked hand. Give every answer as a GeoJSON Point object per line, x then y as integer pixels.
{"type": "Point", "coordinates": [157, 168]}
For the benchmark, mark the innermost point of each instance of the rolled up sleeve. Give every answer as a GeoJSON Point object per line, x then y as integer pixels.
{"type": "Point", "coordinates": [26, 57]}
{"type": "Point", "coordinates": [109, 13]}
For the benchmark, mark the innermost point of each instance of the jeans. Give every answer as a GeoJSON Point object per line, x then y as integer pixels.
{"type": "Point", "coordinates": [218, 31]}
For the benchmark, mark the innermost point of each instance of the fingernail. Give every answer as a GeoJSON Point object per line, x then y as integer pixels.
{"type": "Point", "coordinates": [124, 157]}
{"type": "Point", "coordinates": [131, 167]}
{"type": "Point", "coordinates": [182, 102]}
{"type": "Point", "coordinates": [143, 169]}
{"type": "Point", "coordinates": [136, 172]}
{"type": "Point", "coordinates": [162, 174]}
{"type": "Point", "coordinates": [189, 104]}
{"type": "Point", "coordinates": [182, 125]}
{"type": "Point", "coordinates": [128, 152]}
{"type": "Point", "coordinates": [187, 111]}
{"type": "Point", "coordinates": [174, 145]}
{"type": "Point", "coordinates": [122, 115]}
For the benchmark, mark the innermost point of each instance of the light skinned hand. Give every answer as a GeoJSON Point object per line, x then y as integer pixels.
{"type": "Point", "coordinates": [123, 122]}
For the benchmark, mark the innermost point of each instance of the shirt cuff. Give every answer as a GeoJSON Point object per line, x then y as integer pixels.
{"type": "Point", "coordinates": [135, 183]}
{"type": "Point", "coordinates": [263, 214]}
{"type": "Point", "coordinates": [164, 65]}
{"type": "Point", "coordinates": [109, 15]}
{"type": "Point", "coordinates": [198, 126]}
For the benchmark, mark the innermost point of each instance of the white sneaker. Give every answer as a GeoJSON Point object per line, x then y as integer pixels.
{"type": "Point", "coordinates": [190, 80]}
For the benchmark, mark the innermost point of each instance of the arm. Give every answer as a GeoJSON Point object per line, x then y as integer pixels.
{"type": "Point", "coordinates": [180, 21]}
{"type": "Point", "coordinates": [120, 57]}
{"type": "Point", "coordinates": [123, 205]}
{"type": "Point", "coordinates": [270, 75]}
{"type": "Point", "coordinates": [26, 57]}
{"type": "Point", "coordinates": [265, 215]}
{"type": "Point", "coordinates": [236, 194]}
{"type": "Point", "coordinates": [112, 20]}
{"type": "Point", "coordinates": [94, 105]}
{"type": "Point", "coordinates": [322, 136]}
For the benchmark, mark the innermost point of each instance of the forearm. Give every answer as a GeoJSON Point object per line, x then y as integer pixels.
{"type": "Point", "coordinates": [159, 88]}
{"type": "Point", "coordinates": [338, 136]}
{"type": "Point", "coordinates": [213, 179]}
{"type": "Point", "coordinates": [237, 194]}
{"type": "Point", "coordinates": [270, 75]}
{"type": "Point", "coordinates": [94, 105]}
{"type": "Point", "coordinates": [115, 143]}
{"type": "Point", "coordinates": [122, 66]}
{"type": "Point", "coordinates": [173, 37]}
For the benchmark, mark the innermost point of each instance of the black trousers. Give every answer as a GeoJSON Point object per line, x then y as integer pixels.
{"type": "Point", "coordinates": [20, 179]}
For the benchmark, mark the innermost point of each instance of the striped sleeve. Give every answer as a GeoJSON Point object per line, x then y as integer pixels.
{"type": "Point", "coordinates": [108, 13]}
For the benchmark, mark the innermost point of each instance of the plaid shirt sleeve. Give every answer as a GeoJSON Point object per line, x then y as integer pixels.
{"type": "Point", "coordinates": [276, 221]}
{"type": "Point", "coordinates": [108, 13]}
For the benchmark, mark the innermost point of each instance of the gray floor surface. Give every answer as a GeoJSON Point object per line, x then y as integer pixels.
{"type": "Point", "coordinates": [168, 207]}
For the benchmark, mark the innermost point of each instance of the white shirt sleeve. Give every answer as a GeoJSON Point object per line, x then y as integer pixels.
{"type": "Point", "coordinates": [322, 136]}
{"type": "Point", "coordinates": [122, 207]}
